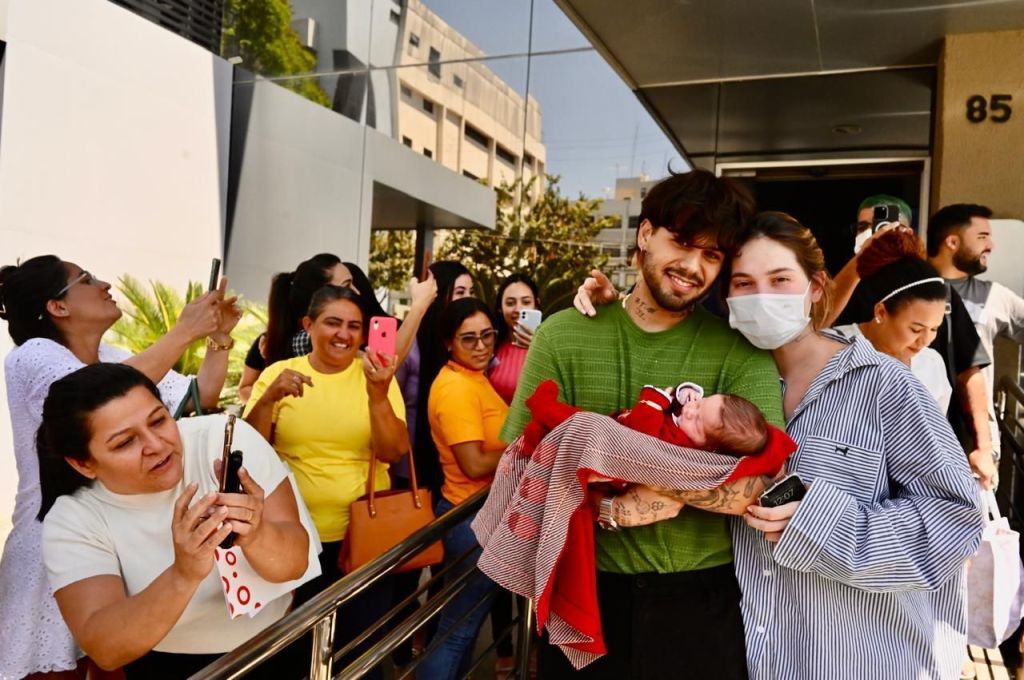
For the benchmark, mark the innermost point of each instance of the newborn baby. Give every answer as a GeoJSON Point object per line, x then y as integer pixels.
{"type": "Point", "coordinates": [722, 423]}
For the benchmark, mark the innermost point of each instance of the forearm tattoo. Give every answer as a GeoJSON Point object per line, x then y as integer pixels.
{"type": "Point", "coordinates": [722, 497]}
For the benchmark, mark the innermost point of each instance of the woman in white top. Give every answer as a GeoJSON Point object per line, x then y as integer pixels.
{"type": "Point", "coordinates": [56, 314]}
{"type": "Point", "coordinates": [133, 517]}
{"type": "Point", "coordinates": [910, 301]}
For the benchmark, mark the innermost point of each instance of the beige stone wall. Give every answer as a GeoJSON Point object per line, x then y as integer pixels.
{"type": "Point", "coordinates": [980, 162]}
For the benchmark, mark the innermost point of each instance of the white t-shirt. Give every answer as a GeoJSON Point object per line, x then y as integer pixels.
{"type": "Point", "coordinates": [96, 532]}
{"type": "Point", "coordinates": [927, 365]}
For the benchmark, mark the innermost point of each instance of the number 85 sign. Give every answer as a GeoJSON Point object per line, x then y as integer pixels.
{"type": "Point", "coordinates": [995, 108]}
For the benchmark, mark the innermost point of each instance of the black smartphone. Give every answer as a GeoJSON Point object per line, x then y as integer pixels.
{"type": "Point", "coordinates": [229, 483]}
{"type": "Point", "coordinates": [883, 214]}
{"type": "Point", "coordinates": [788, 489]}
{"type": "Point", "coordinates": [214, 274]}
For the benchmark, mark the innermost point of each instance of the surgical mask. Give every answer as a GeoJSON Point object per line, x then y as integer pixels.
{"type": "Point", "coordinates": [860, 239]}
{"type": "Point", "coordinates": [769, 320]}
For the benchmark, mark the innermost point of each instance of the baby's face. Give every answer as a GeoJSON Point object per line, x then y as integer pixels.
{"type": "Point", "coordinates": [701, 419]}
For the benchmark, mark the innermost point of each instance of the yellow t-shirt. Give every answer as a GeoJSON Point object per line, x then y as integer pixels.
{"type": "Point", "coordinates": [324, 437]}
{"type": "Point", "coordinates": [463, 407]}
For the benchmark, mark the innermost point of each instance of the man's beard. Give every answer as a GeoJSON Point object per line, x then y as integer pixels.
{"type": "Point", "coordinates": [668, 301]}
{"type": "Point", "coordinates": [965, 262]}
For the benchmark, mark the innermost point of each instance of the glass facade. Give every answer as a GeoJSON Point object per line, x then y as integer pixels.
{"type": "Point", "coordinates": [349, 117]}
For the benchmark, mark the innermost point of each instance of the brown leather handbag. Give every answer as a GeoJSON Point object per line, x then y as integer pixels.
{"type": "Point", "coordinates": [380, 520]}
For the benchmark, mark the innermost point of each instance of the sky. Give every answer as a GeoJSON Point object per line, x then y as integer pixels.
{"type": "Point", "coordinates": [593, 126]}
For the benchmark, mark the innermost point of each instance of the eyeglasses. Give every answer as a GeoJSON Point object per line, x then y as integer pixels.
{"type": "Point", "coordinates": [469, 341]}
{"type": "Point", "coordinates": [85, 276]}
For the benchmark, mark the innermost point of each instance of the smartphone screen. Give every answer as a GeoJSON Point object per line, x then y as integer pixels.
{"type": "Point", "coordinates": [383, 335]}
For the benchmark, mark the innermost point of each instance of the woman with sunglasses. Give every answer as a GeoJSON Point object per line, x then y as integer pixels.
{"type": "Point", "coordinates": [57, 313]}
{"type": "Point", "coordinates": [466, 415]}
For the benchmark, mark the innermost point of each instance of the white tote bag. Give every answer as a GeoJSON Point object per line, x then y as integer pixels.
{"type": "Point", "coordinates": [994, 594]}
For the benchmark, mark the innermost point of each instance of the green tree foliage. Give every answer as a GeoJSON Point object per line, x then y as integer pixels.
{"type": "Point", "coordinates": [260, 32]}
{"type": "Point", "coordinates": [553, 239]}
{"type": "Point", "coordinates": [392, 255]}
{"type": "Point", "coordinates": [150, 314]}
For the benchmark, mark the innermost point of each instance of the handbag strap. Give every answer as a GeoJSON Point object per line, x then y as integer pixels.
{"type": "Point", "coordinates": [371, 491]}
{"type": "Point", "coordinates": [988, 499]}
{"type": "Point", "coordinates": [191, 395]}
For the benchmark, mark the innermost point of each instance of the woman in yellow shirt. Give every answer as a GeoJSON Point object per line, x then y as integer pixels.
{"type": "Point", "coordinates": [466, 416]}
{"type": "Point", "coordinates": [325, 414]}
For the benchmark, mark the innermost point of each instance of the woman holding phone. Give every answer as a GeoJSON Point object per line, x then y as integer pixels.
{"type": "Point", "coordinates": [57, 313]}
{"type": "Point", "coordinates": [466, 416]}
{"type": "Point", "coordinates": [516, 293]}
{"type": "Point", "coordinates": [326, 414]}
{"type": "Point", "coordinates": [290, 293]}
{"type": "Point", "coordinates": [133, 517]}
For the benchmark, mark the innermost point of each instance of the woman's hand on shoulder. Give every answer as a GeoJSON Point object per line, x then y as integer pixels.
{"type": "Point", "coordinates": [196, 532]}
{"type": "Point", "coordinates": [289, 383]}
{"type": "Point", "coordinates": [379, 370]}
{"type": "Point", "coordinates": [244, 510]}
{"type": "Point", "coordinates": [596, 290]}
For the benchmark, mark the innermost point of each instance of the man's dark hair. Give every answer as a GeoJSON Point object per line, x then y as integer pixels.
{"type": "Point", "coordinates": [951, 219]}
{"type": "Point", "coordinates": [698, 206]}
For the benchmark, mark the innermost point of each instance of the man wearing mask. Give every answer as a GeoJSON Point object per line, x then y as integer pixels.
{"type": "Point", "coordinates": [957, 342]}
{"type": "Point", "coordinates": [659, 335]}
{"type": "Point", "coordinates": [959, 243]}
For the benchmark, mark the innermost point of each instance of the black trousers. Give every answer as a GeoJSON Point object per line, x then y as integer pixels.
{"type": "Point", "coordinates": [672, 626]}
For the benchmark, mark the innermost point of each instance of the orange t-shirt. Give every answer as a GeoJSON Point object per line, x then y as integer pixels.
{"type": "Point", "coordinates": [463, 407]}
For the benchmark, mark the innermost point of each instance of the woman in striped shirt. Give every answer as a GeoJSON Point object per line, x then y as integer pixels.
{"type": "Point", "coordinates": [864, 577]}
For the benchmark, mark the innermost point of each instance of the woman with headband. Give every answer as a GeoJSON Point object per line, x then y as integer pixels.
{"type": "Point", "coordinates": [909, 302]}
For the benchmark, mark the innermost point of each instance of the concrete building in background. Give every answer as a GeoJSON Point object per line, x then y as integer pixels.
{"type": "Point", "coordinates": [461, 115]}
{"type": "Point", "coordinates": [618, 242]}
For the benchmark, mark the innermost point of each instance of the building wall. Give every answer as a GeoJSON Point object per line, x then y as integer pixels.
{"type": "Point", "coordinates": [461, 94]}
{"type": "Point", "coordinates": [980, 162]}
{"type": "Point", "coordinates": [300, 186]}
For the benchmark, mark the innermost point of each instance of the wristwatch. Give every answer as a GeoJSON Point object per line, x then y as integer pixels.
{"type": "Point", "coordinates": [606, 514]}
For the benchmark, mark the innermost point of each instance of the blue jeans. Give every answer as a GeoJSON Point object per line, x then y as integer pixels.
{"type": "Point", "coordinates": [451, 658]}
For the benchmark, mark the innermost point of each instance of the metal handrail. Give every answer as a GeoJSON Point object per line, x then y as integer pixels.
{"type": "Point", "coordinates": [320, 610]}
{"type": "Point", "coordinates": [1011, 426]}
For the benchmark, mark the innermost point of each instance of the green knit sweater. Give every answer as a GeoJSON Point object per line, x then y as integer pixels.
{"type": "Point", "coordinates": [600, 365]}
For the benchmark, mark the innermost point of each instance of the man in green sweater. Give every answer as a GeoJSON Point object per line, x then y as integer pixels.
{"type": "Point", "coordinates": [668, 595]}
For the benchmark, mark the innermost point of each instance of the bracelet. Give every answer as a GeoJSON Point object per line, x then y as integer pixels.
{"type": "Point", "coordinates": [215, 346]}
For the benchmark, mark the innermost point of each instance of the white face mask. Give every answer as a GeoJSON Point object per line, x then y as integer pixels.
{"type": "Point", "coordinates": [769, 320]}
{"type": "Point", "coordinates": [860, 239]}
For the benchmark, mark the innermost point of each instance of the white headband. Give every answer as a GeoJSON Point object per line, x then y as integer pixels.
{"type": "Point", "coordinates": [934, 279]}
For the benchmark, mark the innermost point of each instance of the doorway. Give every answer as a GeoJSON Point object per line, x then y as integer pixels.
{"type": "Point", "coordinates": [824, 195]}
